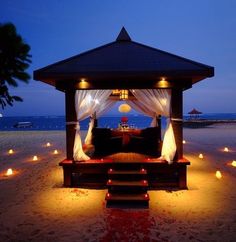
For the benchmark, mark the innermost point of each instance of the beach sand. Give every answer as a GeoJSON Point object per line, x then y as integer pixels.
{"type": "Point", "coordinates": [34, 206]}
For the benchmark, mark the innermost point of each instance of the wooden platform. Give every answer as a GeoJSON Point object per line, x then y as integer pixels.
{"type": "Point", "coordinates": [94, 172]}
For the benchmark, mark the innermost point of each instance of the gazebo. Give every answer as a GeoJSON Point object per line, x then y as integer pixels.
{"type": "Point", "coordinates": [155, 81]}
{"type": "Point", "coordinates": [194, 113]}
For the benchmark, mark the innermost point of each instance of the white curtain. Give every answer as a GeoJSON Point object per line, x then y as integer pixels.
{"type": "Point", "coordinates": [158, 101]}
{"type": "Point", "coordinates": [137, 105]}
{"type": "Point", "coordinates": [86, 103]}
{"type": "Point", "coordinates": [100, 110]}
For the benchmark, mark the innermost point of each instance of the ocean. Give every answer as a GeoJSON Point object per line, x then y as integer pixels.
{"type": "Point", "coordinates": [58, 122]}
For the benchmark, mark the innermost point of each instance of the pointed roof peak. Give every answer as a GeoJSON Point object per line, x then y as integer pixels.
{"type": "Point", "coordinates": [123, 35]}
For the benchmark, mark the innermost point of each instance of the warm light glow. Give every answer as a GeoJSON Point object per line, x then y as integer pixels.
{"type": "Point", "coordinates": [124, 94]}
{"type": "Point", "coordinates": [200, 156]}
{"type": "Point", "coordinates": [108, 194]}
{"type": "Point", "coordinates": [48, 144]}
{"type": "Point", "coordinates": [116, 92]}
{"type": "Point", "coordinates": [35, 158]}
{"type": "Point", "coordinates": [226, 149]}
{"type": "Point", "coordinates": [218, 175]}
{"type": "Point", "coordinates": [83, 84]}
{"type": "Point", "coordinates": [142, 170]}
{"type": "Point", "coordinates": [110, 170]}
{"type": "Point", "coordinates": [144, 181]}
{"type": "Point", "coordinates": [184, 142]}
{"type": "Point", "coordinates": [9, 172]}
{"type": "Point", "coordinates": [55, 152]}
{"type": "Point", "coordinates": [146, 195]}
{"type": "Point", "coordinates": [109, 181]}
{"type": "Point", "coordinates": [124, 108]}
{"type": "Point", "coordinates": [10, 151]}
{"type": "Point", "coordinates": [233, 163]}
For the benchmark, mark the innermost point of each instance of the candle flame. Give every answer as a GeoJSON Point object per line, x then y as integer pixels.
{"type": "Point", "coordinates": [226, 149]}
{"type": "Point", "coordinates": [10, 151]}
{"type": "Point", "coordinates": [9, 172]}
{"type": "Point", "coordinates": [233, 163]}
{"type": "Point", "coordinates": [48, 144]}
{"type": "Point", "coordinates": [184, 142]}
{"type": "Point", "coordinates": [35, 158]}
{"type": "Point", "coordinates": [218, 175]}
{"type": "Point", "coordinates": [200, 156]}
{"type": "Point", "coordinates": [55, 152]}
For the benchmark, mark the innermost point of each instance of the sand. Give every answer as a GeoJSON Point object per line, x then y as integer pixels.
{"type": "Point", "coordinates": [34, 206]}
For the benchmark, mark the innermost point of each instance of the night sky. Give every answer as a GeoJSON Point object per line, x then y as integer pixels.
{"type": "Point", "coordinates": [203, 30]}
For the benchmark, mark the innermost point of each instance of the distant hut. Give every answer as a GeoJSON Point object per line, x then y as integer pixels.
{"type": "Point", "coordinates": [194, 114]}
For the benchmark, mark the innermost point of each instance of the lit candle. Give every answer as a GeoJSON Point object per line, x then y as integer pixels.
{"type": "Point", "coordinates": [48, 144]}
{"type": "Point", "coordinates": [35, 158]}
{"type": "Point", "coordinates": [110, 170]}
{"type": "Point", "coordinates": [10, 151]}
{"type": "Point", "coordinates": [218, 175]}
{"type": "Point", "coordinates": [184, 142]}
{"type": "Point", "coordinates": [9, 172]}
{"type": "Point", "coordinates": [226, 149]}
{"type": "Point", "coordinates": [142, 170]}
{"type": "Point", "coordinates": [146, 195]}
{"type": "Point", "coordinates": [55, 152]}
{"type": "Point", "coordinates": [109, 181]}
{"type": "Point", "coordinates": [233, 163]}
{"type": "Point", "coordinates": [200, 156]}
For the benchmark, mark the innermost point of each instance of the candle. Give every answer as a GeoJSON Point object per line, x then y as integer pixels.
{"type": "Point", "coordinates": [200, 156]}
{"type": "Point", "coordinates": [35, 158]}
{"type": "Point", "coordinates": [218, 175]}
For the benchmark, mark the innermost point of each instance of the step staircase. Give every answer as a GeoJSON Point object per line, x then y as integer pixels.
{"type": "Point", "coordinates": [127, 187]}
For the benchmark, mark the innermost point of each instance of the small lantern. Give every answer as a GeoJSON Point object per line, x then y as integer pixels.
{"type": "Point", "coordinates": [124, 94]}
{"type": "Point", "coordinates": [35, 158]}
{"type": "Point", "coordinates": [9, 172]}
{"type": "Point", "coordinates": [200, 156]}
{"type": "Point", "coordinates": [226, 149]}
{"type": "Point", "coordinates": [55, 152]}
{"type": "Point", "coordinates": [10, 152]}
{"type": "Point", "coordinates": [48, 144]}
{"type": "Point", "coordinates": [124, 108]}
{"type": "Point", "coordinates": [116, 92]}
{"type": "Point", "coordinates": [233, 163]}
{"type": "Point", "coordinates": [218, 175]}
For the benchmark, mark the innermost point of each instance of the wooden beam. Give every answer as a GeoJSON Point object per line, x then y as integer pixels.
{"type": "Point", "coordinates": [177, 120]}
{"type": "Point", "coordinates": [71, 122]}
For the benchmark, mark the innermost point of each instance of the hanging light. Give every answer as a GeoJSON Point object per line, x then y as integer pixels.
{"type": "Point", "coordinates": [124, 94]}
{"type": "Point", "coordinates": [116, 92]}
{"type": "Point", "coordinates": [124, 108]}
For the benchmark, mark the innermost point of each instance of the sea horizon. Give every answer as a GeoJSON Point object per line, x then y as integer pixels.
{"type": "Point", "coordinates": [57, 122]}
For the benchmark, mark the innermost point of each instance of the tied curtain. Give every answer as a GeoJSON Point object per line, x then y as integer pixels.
{"type": "Point", "coordinates": [157, 101]}
{"type": "Point", "coordinates": [87, 102]}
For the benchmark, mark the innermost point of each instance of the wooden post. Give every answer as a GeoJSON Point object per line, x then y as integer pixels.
{"type": "Point", "coordinates": [70, 117]}
{"type": "Point", "coordinates": [177, 116]}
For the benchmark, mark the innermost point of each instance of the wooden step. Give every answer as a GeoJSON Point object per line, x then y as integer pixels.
{"type": "Point", "coordinates": [127, 172]}
{"type": "Point", "coordinates": [140, 183]}
{"type": "Point", "coordinates": [127, 197]}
